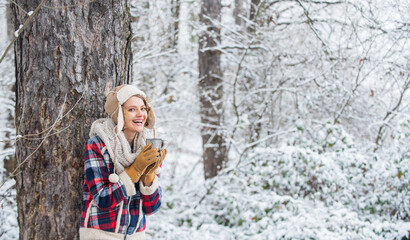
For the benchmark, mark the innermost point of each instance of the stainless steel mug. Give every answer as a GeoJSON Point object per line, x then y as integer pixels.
{"type": "Point", "coordinates": [156, 142]}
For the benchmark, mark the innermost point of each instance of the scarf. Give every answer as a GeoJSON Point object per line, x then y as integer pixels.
{"type": "Point", "coordinates": [117, 145]}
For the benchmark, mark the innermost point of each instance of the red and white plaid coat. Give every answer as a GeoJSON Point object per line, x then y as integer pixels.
{"type": "Point", "coordinates": [113, 209]}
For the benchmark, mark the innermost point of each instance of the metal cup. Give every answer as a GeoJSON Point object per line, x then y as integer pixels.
{"type": "Point", "coordinates": [156, 142]}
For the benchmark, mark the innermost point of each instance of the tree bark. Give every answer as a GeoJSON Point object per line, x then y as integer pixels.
{"type": "Point", "coordinates": [210, 89]}
{"type": "Point", "coordinates": [63, 59]}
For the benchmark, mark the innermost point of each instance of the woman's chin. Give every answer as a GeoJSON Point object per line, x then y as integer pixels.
{"type": "Point", "coordinates": [139, 129]}
{"type": "Point", "coordinates": [134, 129]}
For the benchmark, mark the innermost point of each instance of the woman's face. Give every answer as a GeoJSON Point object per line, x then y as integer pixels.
{"type": "Point", "coordinates": [135, 115]}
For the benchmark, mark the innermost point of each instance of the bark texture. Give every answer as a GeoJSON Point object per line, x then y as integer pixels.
{"type": "Point", "coordinates": [63, 59]}
{"type": "Point", "coordinates": [211, 89]}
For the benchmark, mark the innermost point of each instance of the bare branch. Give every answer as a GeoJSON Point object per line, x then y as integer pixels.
{"type": "Point", "coordinates": [310, 23]}
{"type": "Point", "coordinates": [406, 87]}
{"type": "Point", "coordinates": [28, 20]}
{"type": "Point", "coordinates": [18, 6]}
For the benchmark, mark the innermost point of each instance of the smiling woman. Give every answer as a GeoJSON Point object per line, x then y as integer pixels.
{"type": "Point", "coordinates": [135, 116]}
{"type": "Point", "coordinates": [121, 182]}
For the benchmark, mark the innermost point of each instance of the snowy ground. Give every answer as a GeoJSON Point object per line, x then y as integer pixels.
{"type": "Point", "coordinates": [283, 193]}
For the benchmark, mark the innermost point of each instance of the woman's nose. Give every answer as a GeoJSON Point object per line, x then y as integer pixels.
{"type": "Point", "coordinates": [139, 112]}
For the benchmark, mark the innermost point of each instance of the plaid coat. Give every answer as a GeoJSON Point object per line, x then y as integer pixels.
{"type": "Point", "coordinates": [113, 208]}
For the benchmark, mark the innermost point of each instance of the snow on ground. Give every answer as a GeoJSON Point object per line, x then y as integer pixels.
{"type": "Point", "coordinates": [289, 192]}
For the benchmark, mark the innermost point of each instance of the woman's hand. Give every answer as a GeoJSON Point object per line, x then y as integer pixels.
{"type": "Point", "coordinates": [146, 157]}
{"type": "Point", "coordinates": [149, 174]}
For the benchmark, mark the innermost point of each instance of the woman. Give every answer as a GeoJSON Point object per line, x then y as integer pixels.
{"type": "Point", "coordinates": [121, 183]}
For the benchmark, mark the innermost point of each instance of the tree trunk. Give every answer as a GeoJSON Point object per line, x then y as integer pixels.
{"type": "Point", "coordinates": [63, 58]}
{"type": "Point", "coordinates": [254, 9]}
{"type": "Point", "coordinates": [175, 8]}
{"type": "Point", "coordinates": [210, 89]}
{"type": "Point", "coordinates": [253, 14]}
{"type": "Point", "coordinates": [240, 13]}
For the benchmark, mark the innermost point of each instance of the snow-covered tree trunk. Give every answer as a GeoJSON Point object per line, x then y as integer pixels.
{"type": "Point", "coordinates": [64, 57]}
{"type": "Point", "coordinates": [175, 8]}
{"type": "Point", "coordinates": [254, 9]}
{"type": "Point", "coordinates": [240, 14]}
{"type": "Point", "coordinates": [210, 88]}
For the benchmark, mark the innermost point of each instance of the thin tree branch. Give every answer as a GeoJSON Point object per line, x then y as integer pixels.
{"type": "Point", "coordinates": [28, 20]}
{"type": "Point", "coordinates": [18, 6]}
{"type": "Point", "coordinates": [395, 108]}
{"type": "Point", "coordinates": [310, 23]}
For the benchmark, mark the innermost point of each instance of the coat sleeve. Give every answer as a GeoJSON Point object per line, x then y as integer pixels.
{"type": "Point", "coordinates": [151, 196]}
{"type": "Point", "coordinates": [105, 194]}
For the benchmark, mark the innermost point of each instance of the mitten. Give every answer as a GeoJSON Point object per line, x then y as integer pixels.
{"type": "Point", "coordinates": [149, 174]}
{"type": "Point", "coordinates": [146, 157]}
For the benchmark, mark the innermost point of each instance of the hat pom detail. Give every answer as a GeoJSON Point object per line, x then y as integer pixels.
{"type": "Point", "coordinates": [114, 178]}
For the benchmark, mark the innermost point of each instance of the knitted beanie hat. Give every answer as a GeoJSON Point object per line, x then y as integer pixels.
{"type": "Point", "coordinates": [117, 97]}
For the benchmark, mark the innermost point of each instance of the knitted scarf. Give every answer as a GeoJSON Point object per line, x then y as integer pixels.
{"type": "Point", "coordinates": [117, 145]}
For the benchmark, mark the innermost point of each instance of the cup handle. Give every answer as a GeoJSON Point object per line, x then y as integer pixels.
{"type": "Point", "coordinates": [164, 144]}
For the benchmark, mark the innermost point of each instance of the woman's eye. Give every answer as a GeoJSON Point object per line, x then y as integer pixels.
{"type": "Point", "coordinates": [131, 109]}
{"type": "Point", "coordinates": [143, 109]}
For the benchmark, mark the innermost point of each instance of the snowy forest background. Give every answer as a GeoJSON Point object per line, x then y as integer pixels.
{"type": "Point", "coordinates": [316, 108]}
